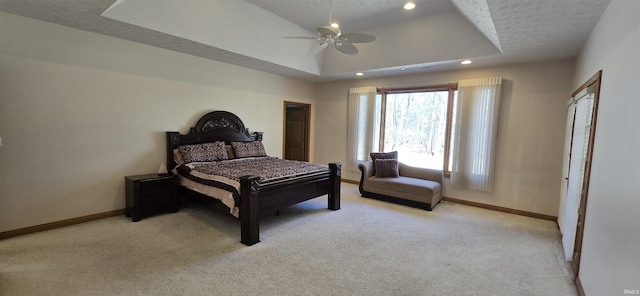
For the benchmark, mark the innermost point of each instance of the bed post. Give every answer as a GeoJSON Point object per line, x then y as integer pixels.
{"type": "Point", "coordinates": [334, 186]}
{"type": "Point", "coordinates": [249, 210]}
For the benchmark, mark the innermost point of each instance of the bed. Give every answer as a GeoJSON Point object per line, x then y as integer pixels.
{"type": "Point", "coordinates": [254, 192]}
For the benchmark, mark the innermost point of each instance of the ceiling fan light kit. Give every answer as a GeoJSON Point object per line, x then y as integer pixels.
{"type": "Point", "coordinates": [331, 34]}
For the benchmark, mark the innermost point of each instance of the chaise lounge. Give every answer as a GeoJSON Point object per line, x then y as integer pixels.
{"type": "Point", "coordinates": [416, 187]}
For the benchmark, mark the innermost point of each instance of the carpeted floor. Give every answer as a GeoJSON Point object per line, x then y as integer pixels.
{"type": "Point", "coordinates": [368, 247]}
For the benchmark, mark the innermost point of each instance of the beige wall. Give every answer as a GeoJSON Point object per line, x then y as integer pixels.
{"type": "Point", "coordinates": [531, 132]}
{"type": "Point", "coordinates": [79, 111]}
{"type": "Point", "coordinates": [610, 257]}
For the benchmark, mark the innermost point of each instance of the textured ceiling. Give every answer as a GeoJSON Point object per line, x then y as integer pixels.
{"type": "Point", "coordinates": [517, 30]}
{"type": "Point", "coordinates": [478, 13]}
{"type": "Point", "coordinates": [549, 28]}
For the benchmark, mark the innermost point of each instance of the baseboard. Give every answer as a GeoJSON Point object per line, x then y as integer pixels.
{"type": "Point", "coordinates": [500, 209]}
{"type": "Point", "coordinates": [83, 219]}
{"type": "Point", "coordinates": [579, 287]}
{"type": "Point", "coordinates": [486, 206]}
{"type": "Point", "coordinates": [78, 220]}
{"type": "Point", "coordinates": [58, 224]}
{"type": "Point", "coordinates": [350, 181]}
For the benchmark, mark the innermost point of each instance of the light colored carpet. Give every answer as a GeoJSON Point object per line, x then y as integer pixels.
{"type": "Point", "coordinates": [368, 247]}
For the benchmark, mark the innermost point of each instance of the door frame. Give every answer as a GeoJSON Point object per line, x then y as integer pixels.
{"type": "Point", "coordinates": [593, 86]}
{"type": "Point", "coordinates": [307, 132]}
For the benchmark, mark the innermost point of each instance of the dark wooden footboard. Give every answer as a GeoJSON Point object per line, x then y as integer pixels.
{"type": "Point", "coordinates": [257, 199]}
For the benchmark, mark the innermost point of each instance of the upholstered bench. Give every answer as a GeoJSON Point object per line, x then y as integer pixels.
{"type": "Point", "coordinates": [417, 187]}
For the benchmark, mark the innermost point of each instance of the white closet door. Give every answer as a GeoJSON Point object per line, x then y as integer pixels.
{"type": "Point", "coordinates": [579, 147]}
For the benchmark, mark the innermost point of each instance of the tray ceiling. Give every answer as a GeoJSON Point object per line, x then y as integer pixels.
{"type": "Point", "coordinates": [437, 35]}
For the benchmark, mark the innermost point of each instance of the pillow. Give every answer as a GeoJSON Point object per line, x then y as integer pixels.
{"type": "Point", "coordinates": [203, 152]}
{"type": "Point", "coordinates": [177, 157]}
{"type": "Point", "coordinates": [248, 149]}
{"type": "Point", "coordinates": [386, 168]}
{"type": "Point", "coordinates": [230, 154]}
{"type": "Point", "coordinates": [382, 155]}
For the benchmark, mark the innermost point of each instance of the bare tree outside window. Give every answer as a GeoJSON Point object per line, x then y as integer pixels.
{"type": "Point", "coordinates": [415, 126]}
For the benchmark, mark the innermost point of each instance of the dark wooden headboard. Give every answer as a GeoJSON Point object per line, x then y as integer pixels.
{"type": "Point", "coordinates": [212, 127]}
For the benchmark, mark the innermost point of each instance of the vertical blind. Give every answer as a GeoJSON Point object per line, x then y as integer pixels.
{"type": "Point", "coordinates": [579, 148]}
{"type": "Point", "coordinates": [475, 135]}
{"type": "Point", "coordinates": [363, 134]}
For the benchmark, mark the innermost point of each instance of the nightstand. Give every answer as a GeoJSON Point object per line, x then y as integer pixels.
{"type": "Point", "coordinates": [152, 193]}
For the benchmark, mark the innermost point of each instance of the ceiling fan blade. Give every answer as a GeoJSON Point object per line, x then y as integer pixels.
{"type": "Point", "coordinates": [302, 37]}
{"type": "Point", "coordinates": [328, 31]}
{"type": "Point", "coordinates": [357, 37]}
{"type": "Point", "coordinates": [346, 48]}
{"type": "Point", "coordinates": [317, 48]}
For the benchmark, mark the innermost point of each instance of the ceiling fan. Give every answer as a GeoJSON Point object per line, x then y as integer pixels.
{"type": "Point", "coordinates": [331, 34]}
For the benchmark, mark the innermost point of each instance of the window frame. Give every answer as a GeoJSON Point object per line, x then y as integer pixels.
{"type": "Point", "coordinates": [451, 88]}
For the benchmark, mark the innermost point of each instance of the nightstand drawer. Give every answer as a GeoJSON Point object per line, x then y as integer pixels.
{"type": "Point", "coordinates": [156, 189]}
{"type": "Point", "coordinates": [155, 197]}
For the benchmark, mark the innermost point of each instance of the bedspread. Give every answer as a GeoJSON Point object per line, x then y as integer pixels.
{"type": "Point", "coordinates": [226, 174]}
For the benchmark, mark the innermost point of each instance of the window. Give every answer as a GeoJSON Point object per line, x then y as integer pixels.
{"type": "Point", "coordinates": [450, 127]}
{"type": "Point", "coordinates": [416, 122]}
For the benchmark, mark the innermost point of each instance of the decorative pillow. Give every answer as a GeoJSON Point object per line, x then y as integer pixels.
{"type": "Point", "coordinates": [230, 154]}
{"type": "Point", "coordinates": [382, 155]}
{"type": "Point", "coordinates": [177, 157]}
{"type": "Point", "coordinates": [203, 152]}
{"type": "Point", "coordinates": [386, 168]}
{"type": "Point", "coordinates": [248, 149]}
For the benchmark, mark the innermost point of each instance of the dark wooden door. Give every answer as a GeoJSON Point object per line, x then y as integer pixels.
{"type": "Point", "coordinates": [296, 137]}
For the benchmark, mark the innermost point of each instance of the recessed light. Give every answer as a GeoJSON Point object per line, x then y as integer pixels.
{"type": "Point", "coordinates": [466, 62]}
{"type": "Point", "coordinates": [410, 5]}
{"type": "Point", "coordinates": [359, 74]}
